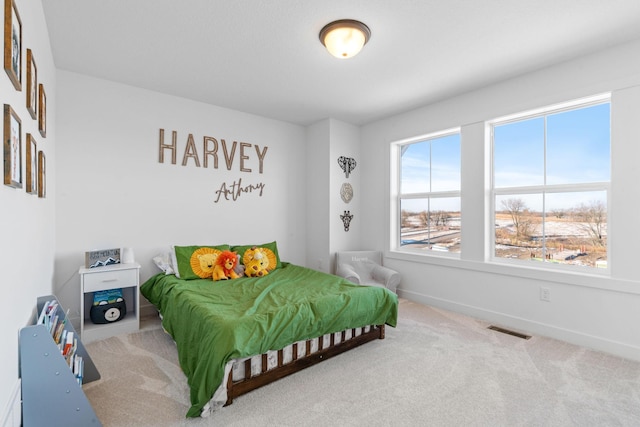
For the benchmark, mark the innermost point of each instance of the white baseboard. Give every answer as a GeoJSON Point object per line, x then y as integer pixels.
{"type": "Point", "coordinates": [12, 416]}
{"type": "Point", "coordinates": [531, 327]}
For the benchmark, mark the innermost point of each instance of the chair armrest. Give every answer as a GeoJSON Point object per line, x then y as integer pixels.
{"type": "Point", "coordinates": [389, 277]}
{"type": "Point", "coordinates": [346, 271]}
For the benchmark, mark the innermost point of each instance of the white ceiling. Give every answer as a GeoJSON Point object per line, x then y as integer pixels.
{"type": "Point", "coordinates": [264, 56]}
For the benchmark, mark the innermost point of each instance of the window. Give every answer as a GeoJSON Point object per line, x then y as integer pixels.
{"type": "Point", "coordinates": [426, 177]}
{"type": "Point", "coordinates": [551, 174]}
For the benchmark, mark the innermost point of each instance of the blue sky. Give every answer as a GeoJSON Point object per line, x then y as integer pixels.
{"type": "Point", "coordinates": [432, 165]}
{"type": "Point", "coordinates": [444, 154]}
{"type": "Point", "coordinates": [577, 149]}
{"type": "Point", "coordinates": [577, 152]}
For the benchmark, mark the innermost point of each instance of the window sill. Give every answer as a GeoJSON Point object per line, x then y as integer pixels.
{"type": "Point", "coordinates": [598, 280]}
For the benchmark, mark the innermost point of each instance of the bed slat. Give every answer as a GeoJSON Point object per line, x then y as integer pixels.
{"type": "Point", "coordinates": [247, 368]}
{"type": "Point", "coordinates": [238, 388]}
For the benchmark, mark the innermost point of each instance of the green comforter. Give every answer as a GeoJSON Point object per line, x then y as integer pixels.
{"type": "Point", "coordinates": [214, 322]}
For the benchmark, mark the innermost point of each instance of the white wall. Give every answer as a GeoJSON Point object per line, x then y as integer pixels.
{"type": "Point", "coordinates": [600, 312]}
{"type": "Point", "coordinates": [327, 140]}
{"type": "Point", "coordinates": [27, 237]}
{"type": "Point", "coordinates": [114, 192]}
{"type": "Point", "coordinates": [318, 190]}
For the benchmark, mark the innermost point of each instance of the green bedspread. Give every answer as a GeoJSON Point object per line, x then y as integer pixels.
{"type": "Point", "coordinates": [214, 322]}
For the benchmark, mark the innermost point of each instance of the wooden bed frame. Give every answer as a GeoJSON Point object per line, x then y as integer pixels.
{"type": "Point", "coordinates": [267, 376]}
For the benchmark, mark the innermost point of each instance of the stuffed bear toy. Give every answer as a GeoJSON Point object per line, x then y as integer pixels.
{"type": "Point", "coordinates": [225, 264]}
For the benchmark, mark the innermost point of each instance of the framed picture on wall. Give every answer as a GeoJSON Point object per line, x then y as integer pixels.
{"type": "Point", "coordinates": [42, 175]}
{"type": "Point", "coordinates": [13, 43]}
{"type": "Point", "coordinates": [42, 111]}
{"type": "Point", "coordinates": [32, 85]}
{"type": "Point", "coordinates": [32, 165]}
{"type": "Point", "coordinates": [12, 148]}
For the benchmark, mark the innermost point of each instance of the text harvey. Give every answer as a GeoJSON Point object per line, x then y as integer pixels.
{"type": "Point", "coordinates": [212, 151]}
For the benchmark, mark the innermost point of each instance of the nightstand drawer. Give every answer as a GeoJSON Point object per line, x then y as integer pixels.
{"type": "Point", "coordinates": [110, 279]}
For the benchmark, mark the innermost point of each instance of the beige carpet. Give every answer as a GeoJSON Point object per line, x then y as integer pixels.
{"type": "Point", "coordinates": [436, 368]}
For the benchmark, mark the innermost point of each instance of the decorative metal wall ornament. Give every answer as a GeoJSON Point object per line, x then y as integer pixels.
{"type": "Point", "coordinates": [348, 164]}
{"type": "Point", "coordinates": [346, 192]}
{"type": "Point", "coordinates": [346, 219]}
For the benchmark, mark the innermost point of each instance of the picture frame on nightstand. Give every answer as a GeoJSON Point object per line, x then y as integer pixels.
{"type": "Point", "coordinates": [102, 257]}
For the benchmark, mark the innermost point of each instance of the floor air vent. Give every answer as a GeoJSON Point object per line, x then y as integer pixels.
{"type": "Point", "coordinates": [508, 332]}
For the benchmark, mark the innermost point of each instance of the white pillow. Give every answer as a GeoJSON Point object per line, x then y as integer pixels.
{"type": "Point", "coordinates": [165, 262]}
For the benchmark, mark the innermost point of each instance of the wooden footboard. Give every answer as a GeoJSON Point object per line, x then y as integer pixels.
{"type": "Point", "coordinates": [267, 376]}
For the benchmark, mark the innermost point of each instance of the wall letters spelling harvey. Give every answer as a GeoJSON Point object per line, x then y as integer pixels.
{"type": "Point", "coordinates": [212, 150]}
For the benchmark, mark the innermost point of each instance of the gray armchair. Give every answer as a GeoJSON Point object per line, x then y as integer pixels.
{"type": "Point", "coordinates": [365, 268]}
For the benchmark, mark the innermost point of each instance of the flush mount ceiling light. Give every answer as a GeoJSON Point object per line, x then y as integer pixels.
{"type": "Point", "coordinates": [344, 38]}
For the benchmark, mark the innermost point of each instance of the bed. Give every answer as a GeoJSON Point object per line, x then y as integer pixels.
{"type": "Point", "coordinates": [236, 335]}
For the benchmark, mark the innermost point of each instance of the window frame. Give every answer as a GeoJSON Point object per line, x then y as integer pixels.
{"type": "Point", "coordinates": [544, 188]}
{"type": "Point", "coordinates": [397, 196]}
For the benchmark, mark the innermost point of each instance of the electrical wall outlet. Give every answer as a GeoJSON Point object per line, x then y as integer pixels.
{"type": "Point", "coordinates": [545, 294]}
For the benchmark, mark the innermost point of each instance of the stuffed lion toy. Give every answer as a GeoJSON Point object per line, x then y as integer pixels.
{"type": "Point", "coordinates": [225, 264]}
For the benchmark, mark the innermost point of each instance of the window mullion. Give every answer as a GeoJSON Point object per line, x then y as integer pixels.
{"type": "Point", "coordinates": [544, 194]}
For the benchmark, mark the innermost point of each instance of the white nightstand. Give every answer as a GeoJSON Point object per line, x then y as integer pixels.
{"type": "Point", "coordinates": [125, 276]}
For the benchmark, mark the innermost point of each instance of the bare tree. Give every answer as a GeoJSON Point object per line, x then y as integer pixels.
{"type": "Point", "coordinates": [441, 218]}
{"type": "Point", "coordinates": [424, 218]}
{"type": "Point", "coordinates": [594, 216]}
{"type": "Point", "coordinates": [405, 217]}
{"type": "Point", "coordinates": [517, 208]}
